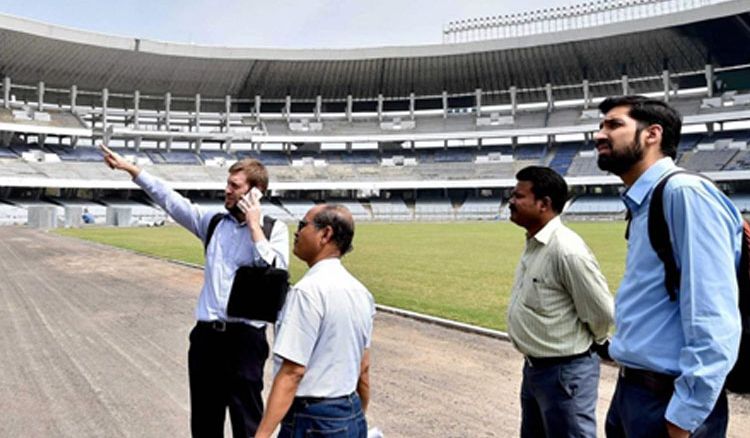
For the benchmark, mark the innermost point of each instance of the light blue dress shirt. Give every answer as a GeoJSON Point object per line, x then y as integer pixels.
{"type": "Point", "coordinates": [231, 246]}
{"type": "Point", "coordinates": [697, 337]}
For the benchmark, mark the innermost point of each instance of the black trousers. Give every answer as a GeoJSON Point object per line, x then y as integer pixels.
{"type": "Point", "coordinates": [226, 371]}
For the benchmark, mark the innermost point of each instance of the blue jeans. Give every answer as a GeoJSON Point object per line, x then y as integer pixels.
{"type": "Point", "coordinates": [560, 400]}
{"type": "Point", "coordinates": [637, 412]}
{"type": "Point", "coordinates": [341, 417]}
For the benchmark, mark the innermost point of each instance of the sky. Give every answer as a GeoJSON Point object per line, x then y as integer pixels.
{"type": "Point", "coordinates": [276, 24]}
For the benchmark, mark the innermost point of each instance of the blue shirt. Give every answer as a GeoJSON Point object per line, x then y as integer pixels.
{"type": "Point", "coordinates": [697, 337]}
{"type": "Point", "coordinates": [231, 246]}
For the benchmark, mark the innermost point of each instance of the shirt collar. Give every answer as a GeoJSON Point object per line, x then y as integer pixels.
{"type": "Point", "coordinates": [638, 192]}
{"type": "Point", "coordinates": [322, 264]}
{"type": "Point", "coordinates": [545, 234]}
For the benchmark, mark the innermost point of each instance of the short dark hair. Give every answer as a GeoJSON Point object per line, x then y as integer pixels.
{"type": "Point", "coordinates": [546, 182]}
{"type": "Point", "coordinates": [340, 220]}
{"type": "Point", "coordinates": [651, 112]}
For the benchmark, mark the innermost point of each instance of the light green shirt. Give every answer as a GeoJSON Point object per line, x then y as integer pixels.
{"type": "Point", "coordinates": [560, 302]}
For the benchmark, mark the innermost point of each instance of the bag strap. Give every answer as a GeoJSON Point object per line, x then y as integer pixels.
{"type": "Point", "coordinates": [658, 234]}
{"type": "Point", "coordinates": [268, 223]}
{"type": "Point", "coordinates": [211, 228]}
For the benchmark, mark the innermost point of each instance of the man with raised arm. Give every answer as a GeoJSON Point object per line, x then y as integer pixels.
{"type": "Point", "coordinates": [226, 355]}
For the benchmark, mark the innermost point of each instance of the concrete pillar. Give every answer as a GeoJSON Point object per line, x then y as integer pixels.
{"type": "Point", "coordinates": [228, 111]}
{"type": "Point", "coordinates": [137, 110]}
{"type": "Point", "coordinates": [586, 94]}
{"type": "Point", "coordinates": [73, 216]}
{"type": "Point", "coordinates": [197, 121]}
{"type": "Point", "coordinates": [6, 92]}
{"type": "Point", "coordinates": [709, 80]}
{"type": "Point", "coordinates": [288, 107]}
{"type": "Point", "coordinates": [513, 100]}
{"type": "Point", "coordinates": [119, 216]}
{"type": "Point", "coordinates": [411, 105]}
{"type": "Point", "coordinates": [105, 105]}
{"type": "Point", "coordinates": [625, 85]}
{"type": "Point", "coordinates": [445, 104]}
{"type": "Point", "coordinates": [40, 96]}
{"type": "Point", "coordinates": [478, 101]}
{"type": "Point", "coordinates": [550, 98]}
{"type": "Point", "coordinates": [665, 81]}
{"type": "Point", "coordinates": [318, 106]}
{"type": "Point", "coordinates": [73, 97]}
{"type": "Point", "coordinates": [168, 118]}
{"type": "Point", "coordinates": [256, 108]}
{"type": "Point", "coordinates": [349, 107]}
{"type": "Point", "coordinates": [168, 110]}
{"type": "Point", "coordinates": [42, 216]}
{"type": "Point", "coordinates": [380, 107]}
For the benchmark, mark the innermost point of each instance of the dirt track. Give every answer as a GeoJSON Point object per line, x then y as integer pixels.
{"type": "Point", "coordinates": [94, 344]}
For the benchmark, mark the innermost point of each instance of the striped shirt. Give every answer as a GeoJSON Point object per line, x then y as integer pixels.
{"type": "Point", "coordinates": [560, 303]}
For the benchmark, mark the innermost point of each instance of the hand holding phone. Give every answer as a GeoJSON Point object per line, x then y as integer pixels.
{"type": "Point", "coordinates": [256, 195]}
{"type": "Point", "coordinates": [250, 199]}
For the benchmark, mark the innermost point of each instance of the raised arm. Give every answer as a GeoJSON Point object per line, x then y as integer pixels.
{"type": "Point", "coordinates": [178, 207]}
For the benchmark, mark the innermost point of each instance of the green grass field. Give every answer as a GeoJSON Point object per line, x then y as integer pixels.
{"type": "Point", "coordinates": [461, 271]}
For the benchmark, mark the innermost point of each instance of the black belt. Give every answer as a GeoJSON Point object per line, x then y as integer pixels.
{"type": "Point", "coordinates": [541, 362]}
{"type": "Point", "coordinates": [658, 383]}
{"type": "Point", "coordinates": [313, 400]}
{"type": "Point", "coordinates": [219, 326]}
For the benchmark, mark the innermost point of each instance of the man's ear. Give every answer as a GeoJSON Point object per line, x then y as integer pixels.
{"type": "Point", "coordinates": [654, 134]}
{"type": "Point", "coordinates": [546, 202]}
{"type": "Point", "coordinates": [327, 235]}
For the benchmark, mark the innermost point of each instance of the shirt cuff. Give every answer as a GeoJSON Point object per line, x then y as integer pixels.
{"type": "Point", "coordinates": [688, 417]}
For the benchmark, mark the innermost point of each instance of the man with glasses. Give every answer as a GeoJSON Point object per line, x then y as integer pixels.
{"type": "Point", "coordinates": [226, 355]}
{"type": "Point", "coordinates": [321, 350]}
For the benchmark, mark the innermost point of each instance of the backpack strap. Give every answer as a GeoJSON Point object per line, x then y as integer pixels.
{"type": "Point", "coordinates": [268, 223]}
{"type": "Point", "coordinates": [211, 228]}
{"type": "Point", "coordinates": [658, 234]}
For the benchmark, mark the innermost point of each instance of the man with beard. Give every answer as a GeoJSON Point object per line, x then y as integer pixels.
{"type": "Point", "coordinates": [226, 355]}
{"type": "Point", "coordinates": [560, 310]}
{"type": "Point", "coordinates": [674, 354]}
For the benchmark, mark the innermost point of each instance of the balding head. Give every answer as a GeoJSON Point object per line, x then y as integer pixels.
{"type": "Point", "coordinates": [326, 231]}
{"type": "Point", "coordinates": [340, 219]}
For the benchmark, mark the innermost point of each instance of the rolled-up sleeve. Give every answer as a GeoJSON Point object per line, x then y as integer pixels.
{"type": "Point", "coordinates": [706, 236]}
{"type": "Point", "coordinates": [275, 251]}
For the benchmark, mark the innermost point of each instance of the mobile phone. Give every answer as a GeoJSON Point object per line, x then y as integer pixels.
{"type": "Point", "coordinates": [256, 194]}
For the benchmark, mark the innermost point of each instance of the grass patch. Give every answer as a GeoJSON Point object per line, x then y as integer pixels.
{"type": "Point", "coordinates": [461, 271]}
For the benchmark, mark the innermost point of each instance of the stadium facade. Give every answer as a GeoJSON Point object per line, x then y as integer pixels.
{"type": "Point", "coordinates": [426, 132]}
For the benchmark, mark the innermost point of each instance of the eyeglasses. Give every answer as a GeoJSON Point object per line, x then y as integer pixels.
{"type": "Point", "coordinates": [302, 224]}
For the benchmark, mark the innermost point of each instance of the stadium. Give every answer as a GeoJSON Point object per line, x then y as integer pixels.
{"type": "Point", "coordinates": [400, 135]}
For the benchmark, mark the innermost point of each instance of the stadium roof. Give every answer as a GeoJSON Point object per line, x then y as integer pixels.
{"type": "Point", "coordinates": [682, 42]}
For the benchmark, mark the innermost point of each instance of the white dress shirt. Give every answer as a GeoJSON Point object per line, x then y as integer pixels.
{"type": "Point", "coordinates": [325, 325]}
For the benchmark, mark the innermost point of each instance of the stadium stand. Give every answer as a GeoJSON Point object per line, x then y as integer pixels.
{"type": "Point", "coordinates": [187, 112]}
{"type": "Point", "coordinates": [390, 210]}
{"type": "Point", "coordinates": [596, 205]}
{"type": "Point", "coordinates": [474, 208]}
{"type": "Point", "coordinates": [433, 209]}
